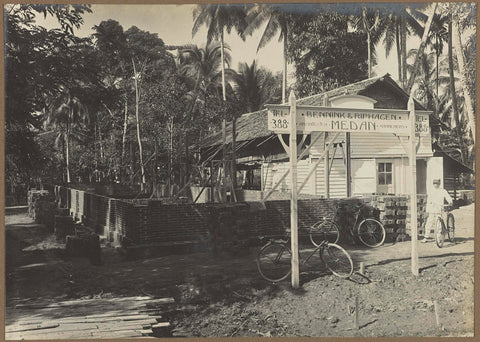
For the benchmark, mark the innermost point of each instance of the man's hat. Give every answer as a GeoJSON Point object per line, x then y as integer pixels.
{"type": "Point", "coordinates": [436, 181]}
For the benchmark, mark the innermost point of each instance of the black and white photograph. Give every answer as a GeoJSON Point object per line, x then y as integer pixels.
{"type": "Point", "coordinates": [239, 170]}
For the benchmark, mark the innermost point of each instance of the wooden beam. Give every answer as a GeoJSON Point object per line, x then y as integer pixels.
{"type": "Point", "coordinates": [312, 169]}
{"type": "Point", "coordinates": [293, 188]}
{"type": "Point", "coordinates": [275, 186]}
{"type": "Point", "coordinates": [349, 164]}
{"type": "Point", "coordinates": [285, 146]}
{"type": "Point", "coordinates": [413, 188]}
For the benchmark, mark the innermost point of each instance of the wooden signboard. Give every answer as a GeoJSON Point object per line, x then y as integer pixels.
{"type": "Point", "coordinates": [328, 119]}
{"type": "Point", "coordinates": [291, 119]}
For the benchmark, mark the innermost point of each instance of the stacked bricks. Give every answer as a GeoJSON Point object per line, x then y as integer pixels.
{"type": "Point", "coordinates": [421, 214]}
{"type": "Point", "coordinates": [41, 207]}
{"type": "Point", "coordinates": [171, 226]}
{"type": "Point", "coordinates": [394, 214]}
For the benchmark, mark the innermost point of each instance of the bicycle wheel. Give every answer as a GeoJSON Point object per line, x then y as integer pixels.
{"type": "Point", "coordinates": [274, 262]}
{"type": "Point", "coordinates": [324, 230]}
{"type": "Point", "coordinates": [371, 233]}
{"type": "Point", "coordinates": [439, 232]}
{"type": "Point", "coordinates": [451, 227]}
{"type": "Point", "coordinates": [337, 260]}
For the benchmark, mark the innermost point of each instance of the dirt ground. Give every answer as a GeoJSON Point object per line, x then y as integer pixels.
{"type": "Point", "coordinates": [226, 296]}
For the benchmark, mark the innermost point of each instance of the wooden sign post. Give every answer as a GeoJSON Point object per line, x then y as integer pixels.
{"type": "Point", "coordinates": [290, 119]}
{"type": "Point", "coordinates": [293, 182]}
{"type": "Point", "coordinates": [413, 187]}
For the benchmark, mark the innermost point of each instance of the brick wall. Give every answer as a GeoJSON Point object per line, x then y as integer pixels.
{"type": "Point", "coordinates": [149, 222]}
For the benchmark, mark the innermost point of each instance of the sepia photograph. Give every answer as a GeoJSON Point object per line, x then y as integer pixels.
{"type": "Point", "coordinates": [239, 170]}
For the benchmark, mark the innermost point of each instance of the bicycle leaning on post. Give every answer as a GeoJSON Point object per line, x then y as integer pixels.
{"type": "Point", "coordinates": [274, 259]}
{"type": "Point", "coordinates": [442, 229]}
{"type": "Point", "coordinates": [369, 231]}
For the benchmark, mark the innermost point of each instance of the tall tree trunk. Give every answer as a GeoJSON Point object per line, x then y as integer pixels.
{"type": "Point", "coordinates": [399, 52]}
{"type": "Point", "coordinates": [436, 66]}
{"type": "Point", "coordinates": [186, 157]}
{"type": "Point", "coordinates": [67, 143]}
{"type": "Point", "coordinates": [222, 52]}
{"type": "Point", "coordinates": [170, 156]}
{"type": "Point", "coordinates": [463, 79]}
{"type": "Point", "coordinates": [423, 43]}
{"type": "Point", "coordinates": [224, 122]}
{"type": "Point", "coordinates": [140, 149]}
{"type": "Point", "coordinates": [124, 135]}
{"type": "Point", "coordinates": [369, 53]}
{"type": "Point", "coordinates": [284, 71]}
{"type": "Point", "coordinates": [234, 154]}
{"type": "Point", "coordinates": [102, 155]}
{"type": "Point", "coordinates": [367, 30]}
{"type": "Point", "coordinates": [67, 155]}
{"type": "Point", "coordinates": [455, 120]}
{"type": "Point", "coordinates": [403, 38]}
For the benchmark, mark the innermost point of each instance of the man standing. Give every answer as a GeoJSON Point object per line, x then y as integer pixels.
{"type": "Point", "coordinates": [435, 201]}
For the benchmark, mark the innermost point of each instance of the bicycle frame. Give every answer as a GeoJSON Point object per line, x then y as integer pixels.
{"type": "Point", "coordinates": [303, 261]}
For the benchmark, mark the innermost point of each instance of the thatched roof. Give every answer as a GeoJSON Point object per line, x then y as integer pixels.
{"type": "Point", "coordinates": [254, 125]}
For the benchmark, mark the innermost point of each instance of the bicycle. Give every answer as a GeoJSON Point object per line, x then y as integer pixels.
{"type": "Point", "coordinates": [441, 230]}
{"type": "Point", "coordinates": [274, 260]}
{"type": "Point", "coordinates": [369, 231]}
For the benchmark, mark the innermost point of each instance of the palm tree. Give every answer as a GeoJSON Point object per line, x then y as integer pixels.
{"type": "Point", "coordinates": [277, 22]}
{"type": "Point", "coordinates": [459, 49]}
{"type": "Point", "coordinates": [218, 19]}
{"type": "Point", "coordinates": [254, 87]}
{"type": "Point", "coordinates": [421, 48]}
{"type": "Point", "coordinates": [64, 113]}
{"type": "Point", "coordinates": [368, 22]}
{"type": "Point", "coordinates": [202, 67]}
{"type": "Point", "coordinates": [397, 24]}
{"type": "Point", "coordinates": [437, 37]}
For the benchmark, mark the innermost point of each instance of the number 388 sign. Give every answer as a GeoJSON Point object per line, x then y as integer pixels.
{"type": "Point", "coordinates": [278, 123]}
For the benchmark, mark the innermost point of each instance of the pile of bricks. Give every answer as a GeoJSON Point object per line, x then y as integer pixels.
{"type": "Point", "coordinates": [395, 212]}
{"type": "Point", "coordinates": [41, 207]}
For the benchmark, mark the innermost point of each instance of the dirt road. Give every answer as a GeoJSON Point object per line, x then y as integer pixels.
{"type": "Point", "coordinates": [226, 296]}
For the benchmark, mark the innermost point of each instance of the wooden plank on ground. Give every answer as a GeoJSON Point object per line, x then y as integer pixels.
{"type": "Point", "coordinates": [64, 335]}
{"type": "Point", "coordinates": [18, 328]}
{"type": "Point", "coordinates": [116, 326]}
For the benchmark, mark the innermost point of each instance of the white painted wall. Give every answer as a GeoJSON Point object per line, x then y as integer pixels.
{"type": "Point", "coordinates": [366, 148]}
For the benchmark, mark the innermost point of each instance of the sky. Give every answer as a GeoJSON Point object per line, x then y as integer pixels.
{"type": "Point", "coordinates": [173, 24]}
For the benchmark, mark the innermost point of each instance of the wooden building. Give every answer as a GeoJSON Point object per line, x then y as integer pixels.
{"type": "Point", "coordinates": [379, 161]}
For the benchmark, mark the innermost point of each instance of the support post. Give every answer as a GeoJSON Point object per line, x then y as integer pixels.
{"type": "Point", "coordinates": [413, 187]}
{"type": "Point", "coordinates": [293, 187]}
{"type": "Point", "coordinates": [349, 164]}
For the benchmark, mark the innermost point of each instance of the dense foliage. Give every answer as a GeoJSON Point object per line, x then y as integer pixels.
{"type": "Point", "coordinates": [121, 106]}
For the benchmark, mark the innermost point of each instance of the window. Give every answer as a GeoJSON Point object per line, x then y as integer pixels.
{"type": "Point", "coordinates": [384, 173]}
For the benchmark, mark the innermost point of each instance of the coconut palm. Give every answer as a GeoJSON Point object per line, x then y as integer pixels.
{"type": "Point", "coordinates": [218, 19]}
{"type": "Point", "coordinates": [277, 23]}
{"type": "Point", "coordinates": [459, 49]}
{"type": "Point", "coordinates": [369, 22]}
{"type": "Point", "coordinates": [396, 25]}
{"type": "Point", "coordinates": [421, 48]}
{"type": "Point", "coordinates": [202, 67]}
{"type": "Point", "coordinates": [254, 87]}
